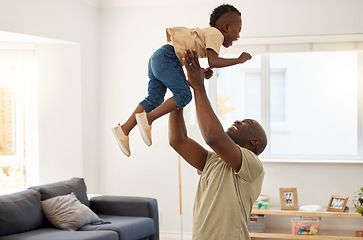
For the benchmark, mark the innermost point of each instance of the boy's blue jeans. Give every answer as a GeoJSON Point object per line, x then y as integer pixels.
{"type": "Point", "coordinates": [166, 71]}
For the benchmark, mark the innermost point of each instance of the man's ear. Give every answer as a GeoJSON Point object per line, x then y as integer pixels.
{"type": "Point", "coordinates": [255, 142]}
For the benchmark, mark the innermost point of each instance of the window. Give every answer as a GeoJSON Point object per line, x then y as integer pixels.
{"type": "Point", "coordinates": [308, 101]}
{"type": "Point", "coordinates": [17, 71]}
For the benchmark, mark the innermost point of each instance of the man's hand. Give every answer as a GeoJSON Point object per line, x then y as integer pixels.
{"type": "Point", "coordinates": [244, 57]}
{"type": "Point", "coordinates": [208, 73]}
{"type": "Point", "coordinates": [194, 72]}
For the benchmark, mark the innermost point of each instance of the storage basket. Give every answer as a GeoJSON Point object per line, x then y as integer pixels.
{"type": "Point", "coordinates": [256, 223]}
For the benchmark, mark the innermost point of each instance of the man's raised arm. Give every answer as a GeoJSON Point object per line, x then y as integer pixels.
{"type": "Point", "coordinates": [210, 127]}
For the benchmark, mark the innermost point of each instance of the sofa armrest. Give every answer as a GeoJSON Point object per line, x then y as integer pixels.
{"type": "Point", "coordinates": [127, 206]}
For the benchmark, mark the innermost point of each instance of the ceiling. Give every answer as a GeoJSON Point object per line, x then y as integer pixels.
{"type": "Point", "coordinates": [142, 3]}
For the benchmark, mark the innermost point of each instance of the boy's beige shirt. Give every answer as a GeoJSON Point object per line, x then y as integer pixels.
{"type": "Point", "coordinates": [198, 39]}
{"type": "Point", "coordinates": [224, 198]}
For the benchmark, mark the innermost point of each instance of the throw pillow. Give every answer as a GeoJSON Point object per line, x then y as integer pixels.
{"type": "Point", "coordinates": [68, 213]}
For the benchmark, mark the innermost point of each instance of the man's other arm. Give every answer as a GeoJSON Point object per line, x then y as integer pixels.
{"type": "Point", "coordinates": [189, 149]}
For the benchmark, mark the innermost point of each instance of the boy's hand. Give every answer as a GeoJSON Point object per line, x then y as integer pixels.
{"type": "Point", "coordinates": [208, 73]}
{"type": "Point", "coordinates": [244, 57]}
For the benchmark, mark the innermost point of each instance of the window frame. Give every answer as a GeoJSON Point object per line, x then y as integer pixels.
{"type": "Point", "coordinates": [267, 46]}
{"type": "Point", "coordinates": [25, 104]}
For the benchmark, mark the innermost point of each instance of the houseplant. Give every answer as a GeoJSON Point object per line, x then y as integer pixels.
{"type": "Point", "coordinates": [358, 201]}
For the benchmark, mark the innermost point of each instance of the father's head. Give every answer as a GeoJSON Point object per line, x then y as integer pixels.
{"type": "Point", "coordinates": [249, 134]}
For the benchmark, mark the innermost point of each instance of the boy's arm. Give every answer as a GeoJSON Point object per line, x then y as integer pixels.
{"type": "Point", "coordinates": [217, 62]}
{"type": "Point", "coordinates": [190, 150]}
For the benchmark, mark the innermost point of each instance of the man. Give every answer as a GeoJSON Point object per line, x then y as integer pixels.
{"type": "Point", "coordinates": [231, 176]}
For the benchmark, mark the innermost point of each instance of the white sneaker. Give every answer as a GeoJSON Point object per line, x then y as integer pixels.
{"type": "Point", "coordinates": [122, 140]}
{"type": "Point", "coordinates": [144, 127]}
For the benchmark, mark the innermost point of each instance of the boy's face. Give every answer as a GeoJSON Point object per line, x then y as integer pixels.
{"type": "Point", "coordinates": [233, 29]}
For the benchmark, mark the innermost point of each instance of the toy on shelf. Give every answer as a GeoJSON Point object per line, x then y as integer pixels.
{"type": "Point", "coordinates": [262, 202]}
{"type": "Point", "coordinates": [359, 233]}
{"type": "Point", "coordinates": [305, 226]}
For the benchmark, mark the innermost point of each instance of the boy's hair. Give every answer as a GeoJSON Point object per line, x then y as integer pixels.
{"type": "Point", "coordinates": [219, 11]}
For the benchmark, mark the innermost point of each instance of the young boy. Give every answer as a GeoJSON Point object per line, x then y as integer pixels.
{"type": "Point", "coordinates": [166, 70]}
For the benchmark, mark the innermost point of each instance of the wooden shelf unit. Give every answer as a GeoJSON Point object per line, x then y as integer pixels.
{"type": "Point", "coordinates": [286, 234]}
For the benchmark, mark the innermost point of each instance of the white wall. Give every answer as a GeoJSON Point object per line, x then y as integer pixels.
{"type": "Point", "coordinates": [77, 22]}
{"type": "Point", "coordinates": [131, 32]}
{"type": "Point", "coordinates": [59, 112]}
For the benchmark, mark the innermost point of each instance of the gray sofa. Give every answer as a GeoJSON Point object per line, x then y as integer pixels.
{"type": "Point", "coordinates": [123, 218]}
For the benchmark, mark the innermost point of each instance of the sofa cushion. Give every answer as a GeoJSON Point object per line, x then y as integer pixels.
{"type": "Point", "coordinates": [68, 213]}
{"type": "Point", "coordinates": [76, 185]}
{"type": "Point", "coordinates": [20, 212]}
{"type": "Point", "coordinates": [57, 234]}
{"type": "Point", "coordinates": [127, 227]}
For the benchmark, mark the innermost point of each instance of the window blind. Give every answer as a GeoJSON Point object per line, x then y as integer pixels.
{"type": "Point", "coordinates": [7, 120]}
{"type": "Point", "coordinates": [17, 52]}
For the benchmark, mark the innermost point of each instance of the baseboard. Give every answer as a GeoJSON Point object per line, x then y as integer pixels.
{"type": "Point", "coordinates": [175, 236]}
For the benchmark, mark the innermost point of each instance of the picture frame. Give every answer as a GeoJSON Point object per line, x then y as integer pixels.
{"type": "Point", "coordinates": [288, 199]}
{"type": "Point", "coordinates": [337, 203]}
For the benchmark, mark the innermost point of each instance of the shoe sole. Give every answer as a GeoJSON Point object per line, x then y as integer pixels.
{"type": "Point", "coordinates": [123, 149]}
{"type": "Point", "coordinates": [143, 134]}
